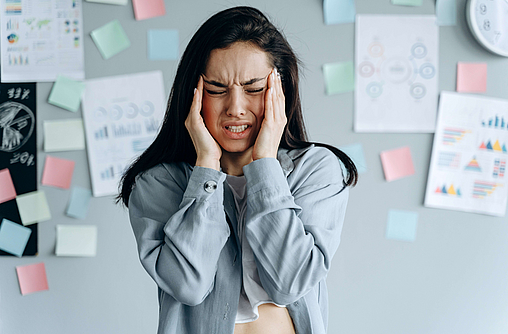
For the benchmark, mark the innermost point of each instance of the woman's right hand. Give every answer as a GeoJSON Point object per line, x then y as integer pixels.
{"type": "Point", "coordinates": [207, 150]}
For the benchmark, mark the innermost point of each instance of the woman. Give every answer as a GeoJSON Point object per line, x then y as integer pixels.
{"type": "Point", "coordinates": [236, 215]}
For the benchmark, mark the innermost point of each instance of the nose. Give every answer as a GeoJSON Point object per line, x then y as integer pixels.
{"type": "Point", "coordinates": [236, 105]}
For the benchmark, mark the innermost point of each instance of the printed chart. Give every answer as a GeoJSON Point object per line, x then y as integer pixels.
{"type": "Point", "coordinates": [468, 164]}
{"type": "Point", "coordinates": [122, 117]}
{"type": "Point", "coordinates": [396, 73]}
{"type": "Point", "coordinates": [41, 39]}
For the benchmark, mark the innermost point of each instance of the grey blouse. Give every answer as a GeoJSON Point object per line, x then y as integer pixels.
{"type": "Point", "coordinates": [184, 221]}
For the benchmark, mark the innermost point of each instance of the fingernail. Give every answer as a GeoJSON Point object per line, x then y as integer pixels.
{"type": "Point", "coordinates": [195, 90]}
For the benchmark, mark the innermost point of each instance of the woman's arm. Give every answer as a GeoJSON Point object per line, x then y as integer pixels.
{"type": "Point", "coordinates": [180, 229]}
{"type": "Point", "coordinates": [294, 233]}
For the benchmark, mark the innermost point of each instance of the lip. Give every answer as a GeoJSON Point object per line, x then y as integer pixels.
{"type": "Point", "coordinates": [237, 135]}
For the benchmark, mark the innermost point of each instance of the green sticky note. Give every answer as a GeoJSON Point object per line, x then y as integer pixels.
{"type": "Point", "coordinates": [339, 77]}
{"type": "Point", "coordinates": [407, 2]}
{"type": "Point", "coordinates": [33, 207]}
{"type": "Point", "coordinates": [66, 93]}
{"type": "Point", "coordinates": [110, 39]}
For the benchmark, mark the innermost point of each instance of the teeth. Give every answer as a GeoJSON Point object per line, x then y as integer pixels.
{"type": "Point", "coordinates": [237, 128]}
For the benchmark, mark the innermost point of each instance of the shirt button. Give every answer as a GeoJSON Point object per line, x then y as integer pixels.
{"type": "Point", "coordinates": [210, 186]}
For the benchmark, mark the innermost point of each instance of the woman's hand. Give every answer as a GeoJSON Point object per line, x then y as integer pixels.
{"type": "Point", "coordinates": [272, 128]}
{"type": "Point", "coordinates": [207, 150]}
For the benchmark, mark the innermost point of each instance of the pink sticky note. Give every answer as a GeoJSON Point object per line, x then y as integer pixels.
{"type": "Point", "coordinates": [145, 9]}
{"type": "Point", "coordinates": [7, 191]}
{"type": "Point", "coordinates": [58, 172]}
{"type": "Point", "coordinates": [397, 163]}
{"type": "Point", "coordinates": [32, 278]}
{"type": "Point", "coordinates": [471, 77]}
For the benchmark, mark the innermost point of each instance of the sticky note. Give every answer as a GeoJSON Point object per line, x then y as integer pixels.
{"type": "Point", "coordinates": [401, 225]}
{"type": "Point", "coordinates": [355, 153]}
{"type": "Point", "coordinates": [407, 2]}
{"type": "Point", "coordinates": [7, 191]}
{"type": "Point", "coordinates": [76, 240]}
{"type": "Point", "coordinates": [64, 135]}
{"type": "Point", "coordinates": [78, 204]}
{"type": "Point", "coordinates": [13, 237]}
{"type": "Point", "coordinates": [58, 172]}
{"type": "Point", "coordinates": [471, 77]}
{"type": "Point", "coordinates": [339, 77]}
{"type": "Point", "coordinates": [339, 11]}
{"type": "Point", "coordinates": [66, 93]}
{"type": "Point", "coordinates": [446, 12]}
{"type": "Point", "coordinates": [145, 9]}
{"type": "Point", "coordinates": [32, 278]}
{"type": "Point", "coordinates": [33, 207]}
{"type": "Point", "coordinates": [111, 2]}
{"type": "Point", "coordinates": [397, 163]}
{"type": "Point", "coordinates": [110, 39]}
{"type": "Point", "coordinates": [162, 44]}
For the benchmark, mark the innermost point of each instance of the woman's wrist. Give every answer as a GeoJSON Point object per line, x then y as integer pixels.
{"type": "Point", "coordinates": [208, 163]}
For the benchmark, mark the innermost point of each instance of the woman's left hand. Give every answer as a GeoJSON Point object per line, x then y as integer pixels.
{"type": "Point", "coordinates": [272, 128]}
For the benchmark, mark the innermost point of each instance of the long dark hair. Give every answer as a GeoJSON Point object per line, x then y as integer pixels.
{"type": "Point", "coordinates": [238, 24]}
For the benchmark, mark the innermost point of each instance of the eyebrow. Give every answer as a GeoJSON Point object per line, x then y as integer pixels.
{"type": "Point", "coordinates": [245, 83]}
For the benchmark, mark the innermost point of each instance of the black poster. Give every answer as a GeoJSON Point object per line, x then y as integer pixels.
{"type": "Point", "coordinates": [18, 149]}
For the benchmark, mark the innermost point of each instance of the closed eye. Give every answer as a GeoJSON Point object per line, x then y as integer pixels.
{"type": "Point", "coordinates": [212, 92]}
{"type": "Point", "coordinates": [252, 91]}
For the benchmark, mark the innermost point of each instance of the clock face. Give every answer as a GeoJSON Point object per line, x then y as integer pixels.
{"type": "Point", "coordinates": [488, 20]}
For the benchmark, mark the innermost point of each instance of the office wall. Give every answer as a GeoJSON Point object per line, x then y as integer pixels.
{"type": "Point", "coordinates": [452, 279]}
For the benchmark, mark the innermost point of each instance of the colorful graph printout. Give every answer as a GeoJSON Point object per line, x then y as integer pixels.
{"type": "Point", "coordinates": [396, 73]}
{"type": "Point", "coordinates": [467, 136]}
{"type": "Point", "coordinates": [122, 116]}
{"type": "Point", "coordinates": [41, 39]}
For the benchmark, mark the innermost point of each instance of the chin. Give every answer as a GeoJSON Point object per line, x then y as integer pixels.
{"type": "Point", "coordinates": [236, 148]}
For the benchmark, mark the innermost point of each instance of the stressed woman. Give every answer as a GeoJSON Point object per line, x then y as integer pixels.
{"type": "Point", "coordinates": [236, 215]}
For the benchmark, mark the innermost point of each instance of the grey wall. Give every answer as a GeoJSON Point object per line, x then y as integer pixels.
{"type": "Point", "coordinates": [452, 279]}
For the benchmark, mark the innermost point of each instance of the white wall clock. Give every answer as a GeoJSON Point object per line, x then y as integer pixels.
{"type": "Point", "coordinates": [488, 21]}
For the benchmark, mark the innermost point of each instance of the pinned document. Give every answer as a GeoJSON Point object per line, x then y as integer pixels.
{"type": "Point", "coordinates": [64, 135]}
{"type": "Point", "coordinates": [76, 240]}
{"type": "Point", "coordinates": [67, 93]}
{"type": "Point", "coordinates": [32, 278]}
{"type": "Point", "coordinates": [110, 39]}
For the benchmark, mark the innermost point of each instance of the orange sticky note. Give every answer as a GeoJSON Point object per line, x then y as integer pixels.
{"type": "Point", "coordinates": [58, 172]}
{"type": "Point", "coordinates": [145, 9]}
{"type": "Point", "coordinates": [471, 77]}
{"type": "Point", "coordinates": [397, 163]}
{"type": "Point", "coordinates": [32, 278]}
{"type": "Point", "coordinates": [7, 191]}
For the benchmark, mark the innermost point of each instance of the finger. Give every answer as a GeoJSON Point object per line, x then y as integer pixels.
{"type": "Point", "coordinates": [269, 99]}
{"type": "Point", "coordinates": [197, 99]}
{"type": "Point", "coordinates": [278, 96]}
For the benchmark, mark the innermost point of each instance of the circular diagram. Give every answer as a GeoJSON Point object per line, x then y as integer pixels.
{"type": "Point", "coordinates": [417, 91]}
{"type": "Point", "coordinates": [367, 69]}
{"type": "Point", "coordinates": [427, 71]}
{"type": "Point", "coordinates": [115, 112]}
{"type": "Point", "coordinates": [16, 125]}
{"type": "Point", "coordinates": [132, 110]}
{"type": "Point", "coordinates": [376, 50]}
{"type": "Point", "coordinates": [419, 50]}
{"type": "Point", "coordinates": [100, 114]}
{"type": "Point", "coordinates": [147, 109]}
{"type": "Point", "coordinates": [374, 89]}
{"type": "Point", "coordinates": [397, 70]}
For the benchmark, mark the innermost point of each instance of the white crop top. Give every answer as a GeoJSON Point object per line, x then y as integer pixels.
{"type": "Point", "coordinates": [252, 294]}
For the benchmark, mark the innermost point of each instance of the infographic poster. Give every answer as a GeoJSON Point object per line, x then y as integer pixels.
{"type": "Point", "coordinates": [41, 39]}
{"type": "Point", "coordinates": [396, 73]}
{"type": "Point", "coordinates": [469, 156]}
{"type": "Point", "coordinates": [18, 149]}
{"type": "Point", "coordinates": [122, 116]}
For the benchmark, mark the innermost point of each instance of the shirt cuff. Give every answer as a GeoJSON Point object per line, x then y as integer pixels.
{"type": "Point", "coordinates": [205, 184]}
{"type": "Point", "coordinates": [265, 173]}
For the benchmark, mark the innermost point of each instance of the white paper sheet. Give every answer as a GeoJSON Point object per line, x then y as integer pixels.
{"type": "Point", "coordinates": [76, 240]}
{"type": "Point", "coordinates": [469, 156]}
{"type": "Point", "coordinates": [41, 39]}
{"type": "Point", "coordinates": [396, 86]}
{"type": "Point", "coordinates": [122, 117]}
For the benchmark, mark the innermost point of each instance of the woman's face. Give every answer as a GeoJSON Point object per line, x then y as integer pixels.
{"type": "Point", "coordinates": [235, 82]}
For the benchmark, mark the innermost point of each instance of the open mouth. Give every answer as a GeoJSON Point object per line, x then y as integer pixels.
{"type": "Point", "coordinates": [237, 128]}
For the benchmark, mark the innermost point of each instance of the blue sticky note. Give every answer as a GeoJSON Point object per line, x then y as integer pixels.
{"type": "Point", "coordinates": [339, 11]}
{"type": "Point", "coordinates": [355, 152]}
{"type": "Point", "coordinates": [401, 225]}
{"type": "Point", "coordinates": [163, 44]}
{"type": "Point", "coordinates": [13, 237]}
{"type": "Point", "coordinates": [78, 204]}
{"type": "Point", "coordinates": [446, 12]}
{"type": "Point", "coordinates": [407, 2]}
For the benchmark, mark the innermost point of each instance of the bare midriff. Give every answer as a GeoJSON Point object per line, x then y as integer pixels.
{"type": "Point", "coordinates": [272, 320]}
